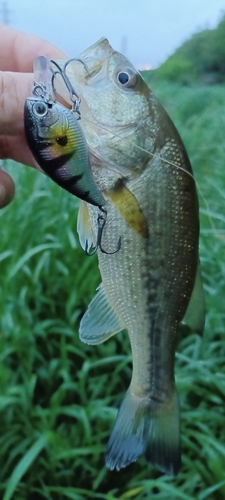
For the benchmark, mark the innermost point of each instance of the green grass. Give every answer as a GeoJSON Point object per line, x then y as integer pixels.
{"type": "Point", "coordinates": [59, 397]}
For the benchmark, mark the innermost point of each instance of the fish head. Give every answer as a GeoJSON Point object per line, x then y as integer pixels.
{"type": "Point", "coordinates": [118, 110]}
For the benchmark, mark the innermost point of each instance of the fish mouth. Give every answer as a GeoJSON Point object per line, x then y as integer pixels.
{"type": "Point", "coordinates": [95, 57]}
{"type": "Point", "coordinates": [89, 69]}
{"type": "Point", "coordinates": [99, 50]}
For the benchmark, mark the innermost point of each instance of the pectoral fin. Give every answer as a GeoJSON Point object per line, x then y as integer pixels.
{"type": "Point", "coordinates": [99, 322]}
{"type": "Point", "coordinates": [84, 226]}
{"type": "Point", "coordinates": [129, 208]}
{"type": "Point", "coordinates": [195, 314]}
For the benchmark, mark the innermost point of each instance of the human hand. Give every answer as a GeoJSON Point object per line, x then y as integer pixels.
{"type": "Point", "coordinates": [17, 53]}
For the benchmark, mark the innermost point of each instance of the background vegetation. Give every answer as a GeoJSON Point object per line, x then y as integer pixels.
{"type": "Point", "coordinates": [59, 397]}
{"type": "Point", "coordinates": [201, 59]}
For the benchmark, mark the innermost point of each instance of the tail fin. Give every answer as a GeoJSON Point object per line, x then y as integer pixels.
{"type": "Point", "coordinates": [142, 426]}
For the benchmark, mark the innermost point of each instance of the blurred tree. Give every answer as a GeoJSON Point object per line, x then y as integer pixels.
{"type": "Point", "coordinates": [201, 58]}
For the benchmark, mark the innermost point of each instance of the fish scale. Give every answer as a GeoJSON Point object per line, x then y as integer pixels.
{"type": "Point", "coordinates": [152, 318]}
{"type": "Point", "coordinates": [150, 285]}
{"type": "Point", "coordinates": [141, 295]}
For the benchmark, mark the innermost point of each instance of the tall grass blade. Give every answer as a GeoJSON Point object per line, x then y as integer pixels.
{"type": "Point", "coordinates": [24, 465]}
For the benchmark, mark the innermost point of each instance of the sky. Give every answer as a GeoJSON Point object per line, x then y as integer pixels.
{"type": "Point", "coordinates": [146, 31]}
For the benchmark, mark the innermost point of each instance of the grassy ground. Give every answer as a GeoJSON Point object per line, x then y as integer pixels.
{"type": "Point", "coordinates": [59, 397]}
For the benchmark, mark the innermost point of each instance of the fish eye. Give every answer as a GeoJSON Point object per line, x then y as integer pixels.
{"type": "Point", "coordinates": [123, 77]}
{"type": "Point", "coordinates": [40, 109]}
{"type": "Point", "coordinates": [126, 78]}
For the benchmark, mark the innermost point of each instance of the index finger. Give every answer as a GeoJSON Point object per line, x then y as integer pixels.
{"type": "Point", "coordinates": [20, 50]}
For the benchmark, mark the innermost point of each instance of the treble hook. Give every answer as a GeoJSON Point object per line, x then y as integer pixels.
{"type": "Point", "coordinates": [73, 95]}
{"type": "Point", "coordinates": [102, 216]}
{"type": "Point", "coordinates": [75, 99]}
{"type": "Point", "coordinates": [75, 59]}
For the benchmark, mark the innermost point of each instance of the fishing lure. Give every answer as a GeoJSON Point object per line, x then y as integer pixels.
{"type": "Point", "coordinates": [57, 142]}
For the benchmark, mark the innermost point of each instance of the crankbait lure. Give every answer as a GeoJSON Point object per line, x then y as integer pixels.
{"type": "Point", "coordinates": [56, 139]}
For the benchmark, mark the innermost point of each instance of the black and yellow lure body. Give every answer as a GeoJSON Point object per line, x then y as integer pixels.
{"type": "Point", "coordinates": [57, 143]}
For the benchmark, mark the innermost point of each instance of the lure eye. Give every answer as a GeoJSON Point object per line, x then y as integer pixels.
{"type": "Point", "coordinates": [40, 109]}
{"type": "Point", "coordinates": [126, 78]}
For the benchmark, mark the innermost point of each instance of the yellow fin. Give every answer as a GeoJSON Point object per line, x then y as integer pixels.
{"type": "Point", "coordinates": [84, 226]}
{"type": "Point", "coordinates": [129, 208]}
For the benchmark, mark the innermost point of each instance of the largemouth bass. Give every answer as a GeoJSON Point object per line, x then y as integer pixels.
{"type": "Point", "coordinates": [141, 166]}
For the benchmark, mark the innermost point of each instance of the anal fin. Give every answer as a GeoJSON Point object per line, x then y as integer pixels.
{"type": "Point", "coordinates": [100, 321]}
